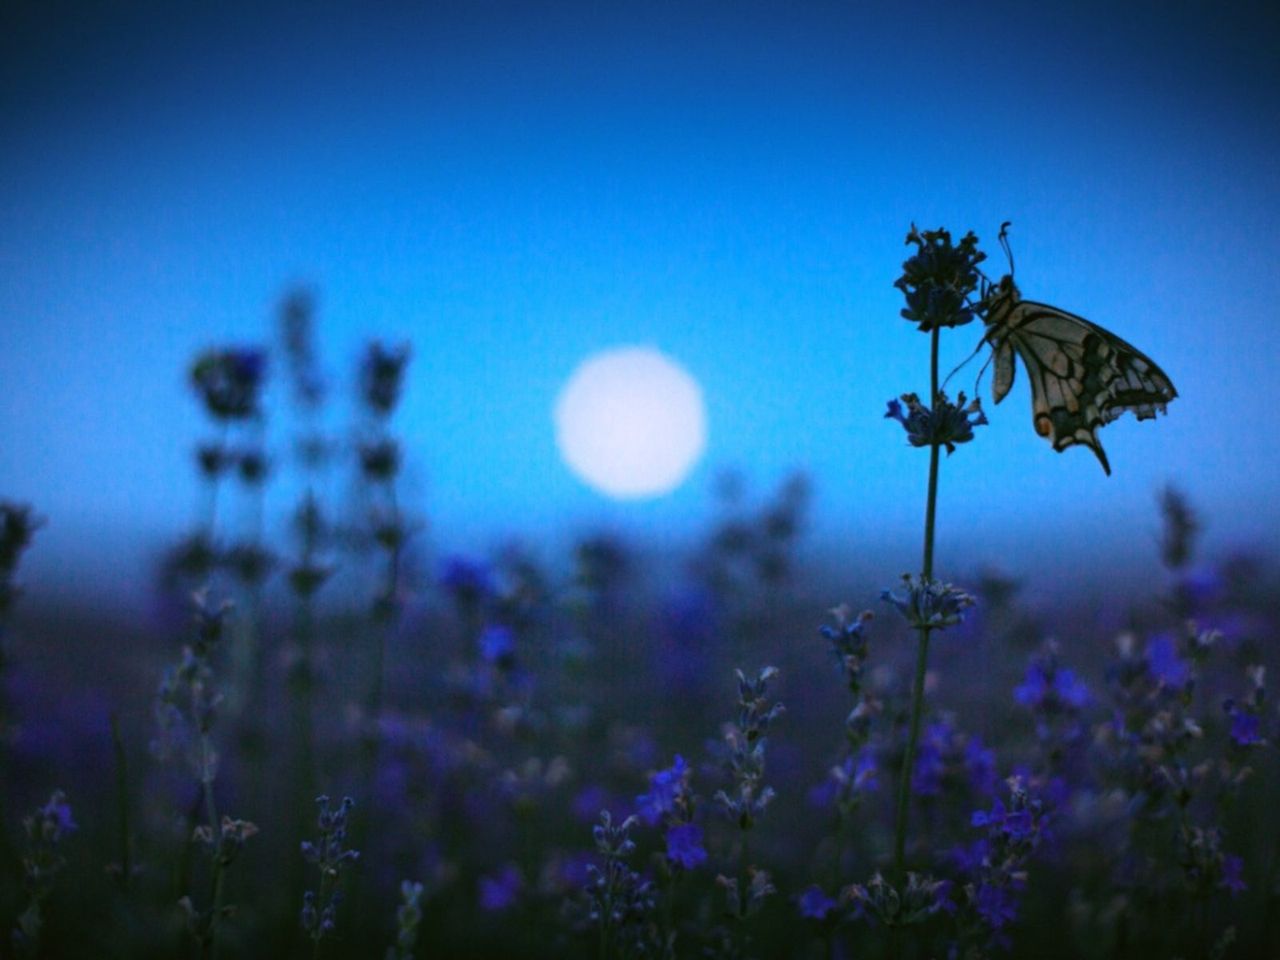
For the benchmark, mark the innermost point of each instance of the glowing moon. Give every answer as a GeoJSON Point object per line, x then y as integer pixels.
{"type": "Point", "coordinates": [630, 422]}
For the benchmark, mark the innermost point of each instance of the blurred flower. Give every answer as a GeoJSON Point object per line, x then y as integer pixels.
{"type": "Point", "coordinates": [1164, 663]}
{"type": "Point", "coordinates": [500, 891]}
{"type": "Point", "coordinates": [381, 376]}
{"type": "Point", "coordinates": [229, 381]}
{"type": "Point", "coordinates": [668, 790]}
{"type": "Point", "coordinates": [1233, 875]}
{"type": "Point", "coordinates": [996, 905]}
{"type": "Point", "coordinates": [815, 904]}
{"type": "Point", "coordinates": [497, 644]}
{"type": "Point", "coordinates": [1048, 687]}
{"type": "Point", "coordinates": [1181, 528]}
{"type": "Point", "coordinates": [684, 845]}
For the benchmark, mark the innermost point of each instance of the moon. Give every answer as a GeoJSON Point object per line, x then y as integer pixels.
{"type": "Point", "coordinates": [630, 423]}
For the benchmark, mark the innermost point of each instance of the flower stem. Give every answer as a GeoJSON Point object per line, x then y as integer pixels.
{"type": "Point", "coordinates": [922, 650]}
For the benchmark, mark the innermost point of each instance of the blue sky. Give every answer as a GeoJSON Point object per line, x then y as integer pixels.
{"type": "Point", "coordinates": [515, 186]}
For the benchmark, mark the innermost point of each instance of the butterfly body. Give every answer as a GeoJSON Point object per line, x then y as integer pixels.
{"type": "Point", "coordinates": [1082, 376]}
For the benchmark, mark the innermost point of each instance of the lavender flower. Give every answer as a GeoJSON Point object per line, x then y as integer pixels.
{"type": "Point", "coordinates": [500, 891]}
{"type": "Point", "coordinates": [939, 279]}
{"type": "Point", "coordinates": [619, 902]}
{"type": "Point", "coordinates": [945, 425]}
{"type": "Point", "coordinates": [381, 376]}
{"type": "Point", "coordinates": [922, 896]}
{"type": "Point", "coordinates": [229, 381]}
{"type": "Point", "coordinates": [668, 793]}
{"type": "Point", "coordinates": [408, 919]}
{"type": "Point", "coordinates": [746, 743]}
{"type": "Point", "coordinates": [814, 904]}
{"type": "Point", "coordinates": [684, 846]}
{"type": "Point", "coordinates": [329, 854]}
{"type": "Point", "coordinates": [42, 861]}
{"type": "Point", "coordinates": [929, 604]}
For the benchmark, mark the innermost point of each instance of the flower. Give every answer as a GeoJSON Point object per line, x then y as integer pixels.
{"type": "Point", "coordinates": [944, 426]}
{"type": "Point", "coordinates": [939, 278]}
{"type": "Point", "coordinates": [497, 644]}
{"type": "Point", "coordinates": [1165, 664]}
{"type": "Point", "coordinates": [229, 381]}
{"type": "Point", "coordinates": [815, 904]}
{"type": "Point", "coordinates": [1233, 875]}
{"type": "Point", "coordinates": [381, 376]}
{"type": "Point", "coordinates": [996, 905]}
{"type": "Point", "coordinates": [667, 789]}
{"type": "Point", "coordinates": [929, 604]}
{"type": "Point", "coordinates": [684, 846]}
{"type": "Point", "coordinates": [500, 890]}
{"type": "Point", "coordinates": [1046, 687]}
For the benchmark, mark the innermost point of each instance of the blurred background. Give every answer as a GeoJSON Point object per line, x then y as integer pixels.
{"type": "Point", "coordinates": [401, 232]}
{"type": "Point", "coordinates": [514, 187]}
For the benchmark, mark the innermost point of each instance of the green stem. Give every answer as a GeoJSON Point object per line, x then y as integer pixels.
{"type": "Point", "coordinates": [922, 650]}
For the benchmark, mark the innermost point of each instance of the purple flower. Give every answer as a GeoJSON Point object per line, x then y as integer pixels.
{"type": "Point", "coordinates": [927, 603]}
{"type": "Point", "coordinates": [500, 890]}
{"type": "Point", "coordinates": [980, 763]}
{"type": "Point", "coordinates": [1055, 688]}
{"type": "Point", "coordinates": [815, 904]}
{"type": "Point", "coordinates": [996, 905]}
{"type": "Point", "coordinates": [1246, 729]}
{"type": "Point", "coordinates": [1164, 663]}
{"type": "Point", "coordinates": [469, 581]}
{"type": "Point", "coordinates": [926, 779]}
{"type": "Point", "coordinates": [946, 425]}
{"type": "Point", "coordinates": [497, 643]}
{"type": "Point", "coordinates": [665, 787]}
{"type": "Point", "coordinates": [1233, 875]}
{"type": "Point", "coordinates": [684, 845]}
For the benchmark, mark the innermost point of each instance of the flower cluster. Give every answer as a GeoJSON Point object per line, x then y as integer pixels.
{"type": "Point", "coordinates": [229, 382]}
{"type": "Point", "coordinates": [319, 911]}
{"type": "Point", "coordinates": [187, 700]}
{"type": "Point", "coordinates": [879, 900]}
{"type": "Point", "coordinates": [995, 865]}
{"type": "Point", "coordinates": [856, 772]}
{"type": "Point", "coordinates": [1056, 698]}
{"type": "Point", "coordinates": [946, 425]}
{"type": "Point", "coordinates": [939, 278]}
{"type": "Point", "coordinates": [1245, 715]}
{"type": "Point", "coordinates": [42, 861]}
{"type": "Point", "coordinates": [619, 901]}
{"type": "Point", "coordinates": [230, 839]}
{"type": "Point", "coordinates": [670, 802]}
{"type": "Point", "coordinates": [929, 604]}
{"type": "Point", "coordinates": [381, 376]}
{"type": "Point", "coordinates": [746, 742]}
{"type": "Point", "coordinates": [953, 763]}
{"type": "Point", "coordinates": [408, 919]}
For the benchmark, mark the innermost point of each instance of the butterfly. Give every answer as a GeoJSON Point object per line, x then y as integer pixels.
{"type": "Point", "coordinates": [1082, 376]}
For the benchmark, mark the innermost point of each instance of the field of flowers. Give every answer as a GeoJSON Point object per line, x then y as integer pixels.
{"type": "Point", "coordinates": [347, 742]}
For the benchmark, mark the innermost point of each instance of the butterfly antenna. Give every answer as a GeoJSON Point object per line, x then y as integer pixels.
{"type": "Point", "coordinates": [964, 362]}
{"type": "Point", "coordinates": [977, 384]}
{"type": "Point", "coordinates": [1004, 243]}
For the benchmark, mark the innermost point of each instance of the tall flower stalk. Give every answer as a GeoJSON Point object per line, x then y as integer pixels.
{"type": "Point", "coordinates": [938, 282]}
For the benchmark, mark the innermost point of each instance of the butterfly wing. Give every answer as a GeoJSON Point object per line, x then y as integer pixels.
{"type": "Point", "coordinates": [1082, 376]}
